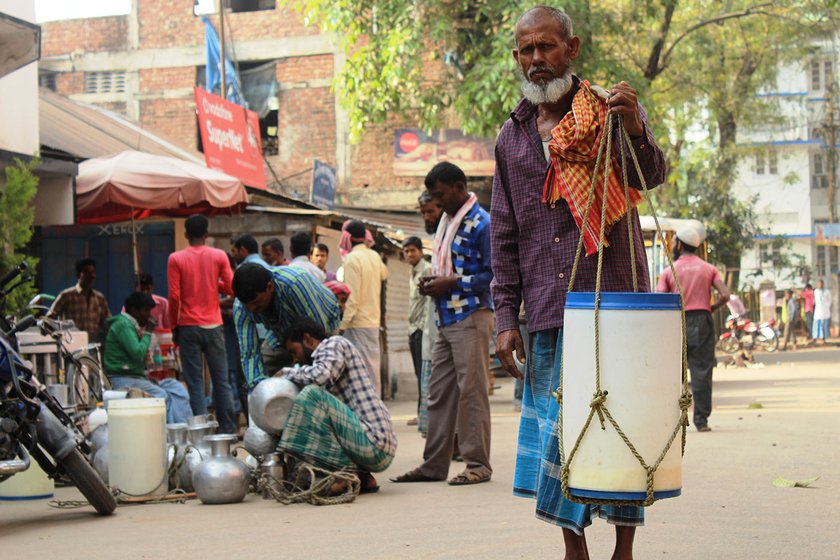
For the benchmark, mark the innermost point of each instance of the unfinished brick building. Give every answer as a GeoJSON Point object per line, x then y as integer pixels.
{"type": "Point", "coordinates": [145, 65]}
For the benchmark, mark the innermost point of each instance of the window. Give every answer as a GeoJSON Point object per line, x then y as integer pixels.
{"type": "Point", "coordinates": [818, 176]}
{"type": "Point", "coordinates": [816, 81]}
{"type": "Point", "coordinates": [821, 74]}
{"type": "Point", "coordinates": [772, 162]}
{"type": "Point", "coordinates": [104, 82]}
{"type": "Point", "coordinates": [766, 161]}
{"type": "Point", "coordinates": [768, 253]}
{"type": "Point", "coordinates": [815, 133]}
{"type": "Point", "coordinates": [207, 7]}
{"type": "Point", "coordinates": [47, 80]}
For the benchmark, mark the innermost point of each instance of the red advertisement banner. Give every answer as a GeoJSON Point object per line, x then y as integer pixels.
{"type": "Point", "coordinates": [230, 135]}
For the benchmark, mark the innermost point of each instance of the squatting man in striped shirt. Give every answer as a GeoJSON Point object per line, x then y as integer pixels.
{"type": "Point", "coordinates": [276, 298]}
{"type": "Point", "coordinates": [338, 421]}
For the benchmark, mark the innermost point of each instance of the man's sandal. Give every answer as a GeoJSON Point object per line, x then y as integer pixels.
{"type": "Point", "coordinates": [414, 476]}
{"type": "Point", "coordinates": [468, 477]}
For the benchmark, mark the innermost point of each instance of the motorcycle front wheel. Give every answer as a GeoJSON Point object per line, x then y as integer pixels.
{"type": "Point", "coordinates": [729, 345]}
{"type": "Point", "coordinates": [88, 482]}
{"type": "Point", "coordinates": [767, 344]}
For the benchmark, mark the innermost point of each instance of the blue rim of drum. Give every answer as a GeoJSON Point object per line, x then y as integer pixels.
{"type": "Point", "coordinates": [618, 496]}
{"type": "Point", "coordinates": [624, 300]}
{"type": "Point", "coordinates": [24, 498]}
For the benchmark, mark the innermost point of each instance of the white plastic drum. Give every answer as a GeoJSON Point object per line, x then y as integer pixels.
{"type": "Point", "coordinates": [641, 354]}
{"type": "Point", "coordinates": [137, 446]}
{"type": "Point", "coordinates": [31, 484]}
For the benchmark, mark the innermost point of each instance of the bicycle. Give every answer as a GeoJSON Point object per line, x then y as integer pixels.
{"type": "Point", "coordinates": [82, 370]}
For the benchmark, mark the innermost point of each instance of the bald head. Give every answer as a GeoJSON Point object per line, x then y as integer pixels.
{"type": "Point", "coordinates": [538, 13]}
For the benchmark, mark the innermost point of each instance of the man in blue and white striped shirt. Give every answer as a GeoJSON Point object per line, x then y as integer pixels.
{"type": "Point", "coordinates": [275, 298]}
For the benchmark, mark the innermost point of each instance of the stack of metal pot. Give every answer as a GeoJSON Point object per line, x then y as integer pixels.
{"type": "Point", "coordinates": [187, 449]}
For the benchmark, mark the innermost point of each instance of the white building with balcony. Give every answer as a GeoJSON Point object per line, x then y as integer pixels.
{"type": "Point", "coordinates": [786, 171]}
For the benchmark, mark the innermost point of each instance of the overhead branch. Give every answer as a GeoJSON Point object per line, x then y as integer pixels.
{"type": "Point", "coordinates": [751, 11]}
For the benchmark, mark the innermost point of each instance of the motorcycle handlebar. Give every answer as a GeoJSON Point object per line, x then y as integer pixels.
{"type": "Point", "coordinates": [12, 274]}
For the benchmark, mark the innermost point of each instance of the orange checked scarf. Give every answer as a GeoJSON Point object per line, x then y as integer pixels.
{"type": "Point", "coordinates": [574, 149]}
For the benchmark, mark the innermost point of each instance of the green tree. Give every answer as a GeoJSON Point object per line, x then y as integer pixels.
{"type": "Point", "coordinates": [16, 217]}
{"type": "Point", "coordinates": [696, 63]}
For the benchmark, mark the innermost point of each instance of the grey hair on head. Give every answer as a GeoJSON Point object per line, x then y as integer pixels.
{"type": "Point", "coordinates": [562, 18]}
{"type": "Point", "coordinates": [424, 198]}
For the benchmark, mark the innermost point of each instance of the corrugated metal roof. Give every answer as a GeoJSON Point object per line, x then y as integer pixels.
{"type": "Point", "coordinates": [85, 131]}
{"type": "Point", "coordinates": [396, 225]}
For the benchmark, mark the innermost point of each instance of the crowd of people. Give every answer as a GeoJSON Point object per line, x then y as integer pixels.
{"type": "Point", "coordinates": [252, 313]}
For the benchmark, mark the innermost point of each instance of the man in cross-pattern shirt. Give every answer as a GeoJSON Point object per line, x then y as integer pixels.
{"type": "Point", "coordinates": [338, 421]}
{"type": "Point", "coordinates": [534, 242]}
{"type": "Point", "coordinates": [461, 356]}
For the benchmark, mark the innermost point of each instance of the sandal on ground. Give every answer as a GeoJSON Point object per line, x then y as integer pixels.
{"type": "Point", "coordinates": [414, 476]}
{"type": "Point", "coordinates": [468, 477]}
{"type": "Point", "coordinates": [368, 483]}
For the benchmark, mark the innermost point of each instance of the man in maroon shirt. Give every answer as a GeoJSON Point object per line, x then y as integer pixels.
{"type": "Point", "coordinates": [533, 247]}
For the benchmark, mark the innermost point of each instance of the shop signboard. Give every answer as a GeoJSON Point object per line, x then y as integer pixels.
{"type": "Point", "coordinates": [323, 186]}
{"type": "Point", "coordinates": [230, 135]}
{"type": "Point", "coordinates": [416, 152]}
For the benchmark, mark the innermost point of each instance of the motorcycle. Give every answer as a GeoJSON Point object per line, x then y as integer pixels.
{"type": "Point", "coordinates": [744, 335]}
{"type": "Point", "coordinates": [32, 422]}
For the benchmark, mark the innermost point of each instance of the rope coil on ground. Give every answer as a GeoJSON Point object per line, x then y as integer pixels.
{"type": "Point", "coordinates": [306, 483]}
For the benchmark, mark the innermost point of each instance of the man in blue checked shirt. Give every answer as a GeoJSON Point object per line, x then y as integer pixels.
{"type": "Point", "coordinates": [460, 285]}
{"type": "Point", "coordinates": [275, 298]}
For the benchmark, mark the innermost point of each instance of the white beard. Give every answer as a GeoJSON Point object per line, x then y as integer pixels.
{"type": "Point", "coordinates": [551, 92]}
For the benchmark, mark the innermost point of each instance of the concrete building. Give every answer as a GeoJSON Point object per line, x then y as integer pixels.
{"type": "Point", "coordinates": [144, 65]}
{"type": "Point", "coordinates": [19, 131]}
{"type": "Point", "coordinates": [787, 172]}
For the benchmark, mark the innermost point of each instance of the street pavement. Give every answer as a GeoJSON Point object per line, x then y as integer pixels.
{"type": "Point", "coordinates": [729, 508]}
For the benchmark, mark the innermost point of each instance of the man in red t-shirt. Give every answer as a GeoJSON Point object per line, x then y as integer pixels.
{"type": "Point", "coordinates": [197, 275]}
{"type": "Point", "coordinates": [697, 278]}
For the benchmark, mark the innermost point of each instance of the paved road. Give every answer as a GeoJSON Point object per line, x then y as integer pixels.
{"type": "Point", "coordinates": [729, 508]}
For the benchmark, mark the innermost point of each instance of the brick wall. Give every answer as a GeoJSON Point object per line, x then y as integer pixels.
{"type": "Point", "coordinates": [306, 116]}
{"type": "Point", "coordinates": [158, 80]}
{"type": "Point", "coordinates": [70, 83]}
{"type": "Point", "coordinates": [172, 118]}
{"type": "Point", "coordinates": [164, 23]}
{"type": "Point", "coordinates": [305, 68]}
{"type": "Point", "coordinates": [84, 35]}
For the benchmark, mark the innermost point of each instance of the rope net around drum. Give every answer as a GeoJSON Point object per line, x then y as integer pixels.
{"type": "Point", "coordinates": [598, 404]}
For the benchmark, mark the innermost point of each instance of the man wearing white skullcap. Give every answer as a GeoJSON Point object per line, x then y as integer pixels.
{"type": "Point", "coordinates": [697, 278]}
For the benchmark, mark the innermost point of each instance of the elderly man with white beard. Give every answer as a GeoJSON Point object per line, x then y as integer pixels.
{"type": "Point", "coordinates": [545, 158]}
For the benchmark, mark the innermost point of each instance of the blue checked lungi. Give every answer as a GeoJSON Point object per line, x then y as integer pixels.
{"type": "Point", "coordinates": [423, 412]}
{"type": "Point", "coordinates": [326, 432]}
{"type": "Point", "coordinates": [538, 465]}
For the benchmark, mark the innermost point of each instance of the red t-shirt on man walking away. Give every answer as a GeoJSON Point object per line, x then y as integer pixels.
{"type": "Point", "coordinates": [696, 279]}
{"type": "Point", "coordinates": [196, 276]}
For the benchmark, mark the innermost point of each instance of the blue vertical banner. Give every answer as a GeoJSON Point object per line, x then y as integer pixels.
{"type": "Point", "coordinates": [323, 185]}
{"type": "Point", "coordinates": [213, 73]}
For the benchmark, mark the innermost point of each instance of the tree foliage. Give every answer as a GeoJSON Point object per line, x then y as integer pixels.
{"type": "Point", "coordinates": [16, 217]}
{"type": "Point", "coordinates": [697, 66]}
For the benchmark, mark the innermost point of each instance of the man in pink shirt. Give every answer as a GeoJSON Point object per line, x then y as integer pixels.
{"type": "Point", "coordinates": [197, 275]}
{"type": "Point", "coordinates": [697, 278]}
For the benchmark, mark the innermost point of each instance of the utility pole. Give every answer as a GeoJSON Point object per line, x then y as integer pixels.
{"type": "Point", "coordinates": [222, 46]}
{"type": "Point", "coordinates": [831, 140]}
